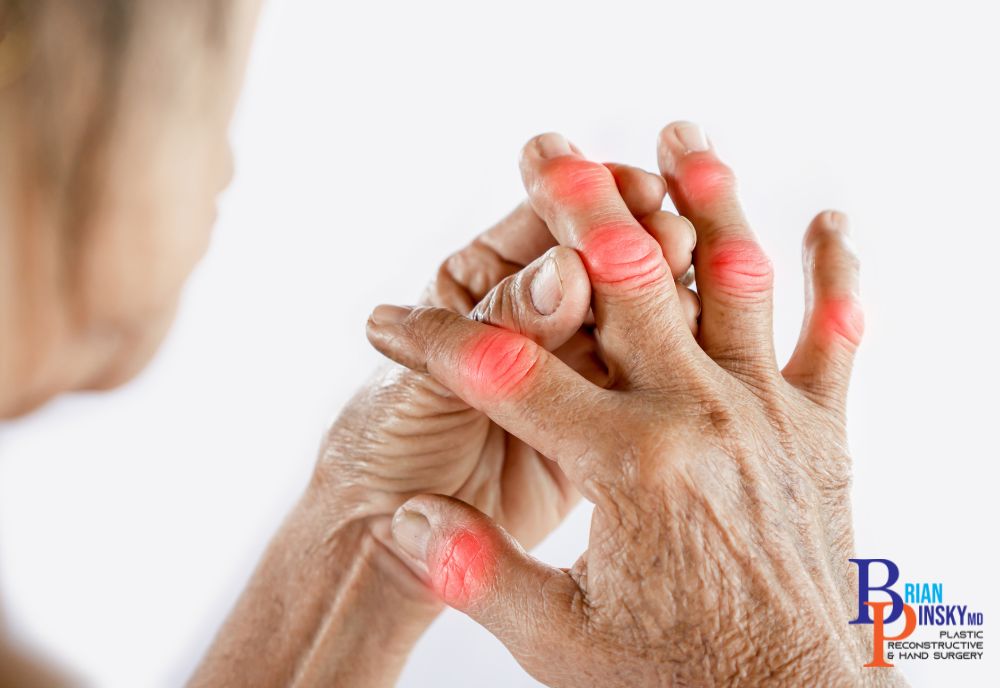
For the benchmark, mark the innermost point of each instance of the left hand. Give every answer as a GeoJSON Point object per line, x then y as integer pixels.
{"type": "Point", "coordinates": [332, 602]}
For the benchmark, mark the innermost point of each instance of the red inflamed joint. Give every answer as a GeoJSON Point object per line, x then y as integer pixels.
{"type": "Point", "coordinates": [577, 182]}
{"type": "Point", "coordinates": [497, 363]}
{"type": "Point", "coordinates": [702, 179]}
{"type": "Point", "coordinates": [839, 319]}
{"type": "Point", "coordinates": [623, 254]}
{"type": "Point", "coordinates": [463, 567]}
{"type": "Point", "coordinates": [740, 268]}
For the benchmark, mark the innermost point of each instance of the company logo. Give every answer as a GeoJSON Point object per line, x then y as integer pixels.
{"type": "Point", "coordinates": [919, 605]}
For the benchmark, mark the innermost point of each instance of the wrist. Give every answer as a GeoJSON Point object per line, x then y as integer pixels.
{"type": "Point", "coordinates": [354, 520]}
{"type": "Point", "coordinates": [326, 606]}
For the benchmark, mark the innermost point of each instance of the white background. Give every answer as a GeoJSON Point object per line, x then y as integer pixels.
{"type": "Point", "coordinates": [373, 139]}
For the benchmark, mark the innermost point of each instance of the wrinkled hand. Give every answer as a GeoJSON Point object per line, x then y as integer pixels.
{"type": "Point", "coordinates": [721, 532]}
{"type": "Point", "coordinates": [406, 434]}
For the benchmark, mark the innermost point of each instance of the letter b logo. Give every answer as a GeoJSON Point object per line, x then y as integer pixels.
{"type": "Point", "coordinates": [865, 587]}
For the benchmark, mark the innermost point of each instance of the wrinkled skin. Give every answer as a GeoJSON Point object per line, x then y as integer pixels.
{"type": "Point", "coordinates": [721, 532]}
{"type": "Point", "coordinates": [333, 601]}
{"type": "Point", "coordinates": [405, 433]}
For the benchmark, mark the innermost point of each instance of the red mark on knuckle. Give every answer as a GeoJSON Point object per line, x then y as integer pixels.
{"type": "Point", "coordinates": [498, 363]}
{"type": "Point", "coordinates": [623, 254]}
{"type": "Point", "coordinates": [740, 268]}
{"type": "Point", "coordinates": [840, 320]}
{"type": "Point", "coordinates": [703, 179]}
{"type": "Point", "coordinates": [464, 568]}
{"type": "Point", "coordinates": [577, 181]}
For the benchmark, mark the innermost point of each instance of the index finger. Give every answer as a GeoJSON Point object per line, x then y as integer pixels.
{"type": "Point", "coordinates": [635, 300]}
{"type": "Point", "coordinates": [517, 383]}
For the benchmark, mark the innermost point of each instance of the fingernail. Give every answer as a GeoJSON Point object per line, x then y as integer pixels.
{"type": "Point", "coordinates": [546, 288]}
{"type": "Point", "coordinates": [553, 146]}
{"type": "Point", "coordinates": [412, 532]}
{"type": "Point", "coordinates": [692, 137]}
{"type": "Point", "coordinates": [389, 315]}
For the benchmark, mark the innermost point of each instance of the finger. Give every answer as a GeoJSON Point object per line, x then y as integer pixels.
{"type": "Point", "coordinates": [691, 307]}
{"type": "Point", "coordinates": [733, 273]}
{"type": "Point", "coordinates": [547, 301]}
{"type": "Point", "coordinates": [635, 303]}
{"type": "Point", "coordinates": [676, 236]}
{"type": "Point", "coordinates": [520, 237]}
{"type": "Point", "coordinates": [580, 353]}
{"type": "Point", "coordinates": [834, 322]}
{"type": "Point", "coordinates": [642, 191]}
{"type": "Point", "coordinates": [522, 387]}
{"type": "Point", "coordinates": [477, 568]}
{"type": "Point", "coordinates": [469, 274]}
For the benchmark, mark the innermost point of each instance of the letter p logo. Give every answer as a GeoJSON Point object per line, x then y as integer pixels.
{"type": "Point", "coordinates": [878, 652]}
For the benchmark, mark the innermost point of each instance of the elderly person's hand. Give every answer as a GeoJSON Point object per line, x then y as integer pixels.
{"type": "Point", "coordinates": [406, 434]}
{"type": "Point", "coordinates": [721, 532]}
{"type": "Point", "coordinates": [332, 603]}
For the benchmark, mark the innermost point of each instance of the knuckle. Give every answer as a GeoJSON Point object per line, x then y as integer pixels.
{"type": "Point", "coordinates": [704, 179]}
{"type": "Point", "coordinates": [428, 325]}
{"type": "Point", "coordinates": [840, 320]}
{"type": "Point", "coordinates": [620, 254]}
{"type": "Point", "coordinates": [464, 567]}
{"type": "Point", "coordinates": [499, 363]}
{"type": "Point", "coordinates": [575, 180]}
{"type": "Point", "coordinates": [432, 331]}
{"type": "Point", "coordinates": [740, 268]}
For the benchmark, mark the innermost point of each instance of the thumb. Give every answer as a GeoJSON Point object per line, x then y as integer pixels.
{"type": "Point", "coordinates": [546, 301]}
{"type": "Point", "coordinates": [473, 565]}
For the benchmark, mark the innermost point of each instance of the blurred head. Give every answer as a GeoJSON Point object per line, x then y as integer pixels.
{"type": "Point", "coordinates": [113, 149]}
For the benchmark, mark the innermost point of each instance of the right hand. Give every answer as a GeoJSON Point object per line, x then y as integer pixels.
{"type": "Point", "coordinates": [721, 532]}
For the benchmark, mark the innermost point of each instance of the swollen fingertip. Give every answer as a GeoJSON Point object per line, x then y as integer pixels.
{"type": "Point", "coordinates": [696, 177]}
{"type": "Point", "coordinates": [704, 181]}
